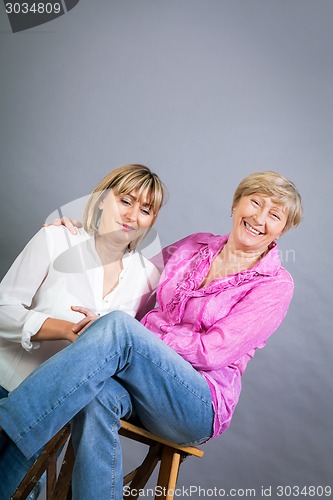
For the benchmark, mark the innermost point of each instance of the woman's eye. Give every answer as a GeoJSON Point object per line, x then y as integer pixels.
{"type": "Point", "coordinates": [256, 202]}
{"type": "Point", "coordinates": [276, 216]}
{"type": "Point", "coordinates": [125, 201]}
{"type": "Point", "coordinates": [145, 211]}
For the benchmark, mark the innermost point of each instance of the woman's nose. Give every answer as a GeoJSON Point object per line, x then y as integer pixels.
{"type": "Point", "coordinates": [259, 217]}
{"type": "Point", "coordinates": [132, 213]}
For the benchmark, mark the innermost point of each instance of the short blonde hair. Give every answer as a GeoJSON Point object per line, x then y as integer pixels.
{"type": "Point", "coordinates": [277, 187]}
{"type": "Point", "coordinates": [124, 180]}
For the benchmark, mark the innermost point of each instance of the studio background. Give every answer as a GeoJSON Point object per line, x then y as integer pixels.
{"type": "Point", "coordinates": [204, 92]}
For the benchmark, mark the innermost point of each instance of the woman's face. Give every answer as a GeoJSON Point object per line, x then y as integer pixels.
{"type": "Point", "coordinates": [124, 216]}
{"type": "Point", "coordinates": [257, 221]}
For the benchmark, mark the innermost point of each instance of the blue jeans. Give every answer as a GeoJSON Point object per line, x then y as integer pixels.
{"type": "Point", "coordinates": [14, 466]}
{"type": "Point", "coordinates": [115, 369]}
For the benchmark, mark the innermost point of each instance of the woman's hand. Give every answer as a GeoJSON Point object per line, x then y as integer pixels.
{"type": "Point", "coordinates": [82, 325]}
{"type": "Point", "coordinates": [55, 329]}
{"type": "Point", "coordinates": [59, 329]}
{"type": "Point", "coordinates": [70, 224]}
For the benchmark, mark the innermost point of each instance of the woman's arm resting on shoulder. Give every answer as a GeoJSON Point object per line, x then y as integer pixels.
{"type": "Point", "coordinates": [70, 224]}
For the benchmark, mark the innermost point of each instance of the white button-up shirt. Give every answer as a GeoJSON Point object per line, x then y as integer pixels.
{"type": "Point", "coordinates": [55, 271]}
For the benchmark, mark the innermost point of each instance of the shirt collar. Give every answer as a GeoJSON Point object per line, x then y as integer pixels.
{"type": "Point", "coordinates": [269, 265]}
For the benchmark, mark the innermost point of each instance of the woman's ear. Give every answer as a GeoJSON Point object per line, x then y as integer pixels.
{"type": "Point", "coordinates": [233, 209]}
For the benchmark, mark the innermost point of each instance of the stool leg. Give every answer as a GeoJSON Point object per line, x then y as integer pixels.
{"type": "Point", "coordinates": [63, 488]}
{"type": "Point", "coordinates": [51, 477]}
{"type": "Point", "coordinates": [143, 473]}
{"type": "Point", "coordinates": [46, 461]}
{"type": "Point", "coordinates": [168, 473]}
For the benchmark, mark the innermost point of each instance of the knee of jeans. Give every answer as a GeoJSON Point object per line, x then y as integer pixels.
{"type": "Point", "coordinates": [117, 316]}
{"type": "Point", "coordinates": [114, 326]}
{"type": "Point", "coordinates": [116, 320]}
{"type": "Point", "coordinates": [105, 324]}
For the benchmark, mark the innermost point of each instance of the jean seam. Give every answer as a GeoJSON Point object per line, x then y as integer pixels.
{"type": "Point", "coordinates": [114, 458]}
{"type": "Point", "coordinates": [196, 442]}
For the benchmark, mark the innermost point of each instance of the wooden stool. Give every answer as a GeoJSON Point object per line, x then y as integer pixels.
{"type": "Point", "coordinates": [169, 454]}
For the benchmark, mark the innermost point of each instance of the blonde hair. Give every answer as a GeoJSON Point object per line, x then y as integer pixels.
{"type": "Point", "coordinates": [277, 187]}
{"type": "Point", "coordinates": [124, 180]}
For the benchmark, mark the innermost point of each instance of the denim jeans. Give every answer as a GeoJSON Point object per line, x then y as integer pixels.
{"type": "Point", "coordinates": [14, 466]}
{"type": "Point", "coordinates": [115, 368]}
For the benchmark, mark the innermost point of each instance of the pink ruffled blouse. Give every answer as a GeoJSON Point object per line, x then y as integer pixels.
{"type": "Point", "coordinates": [218, 327]}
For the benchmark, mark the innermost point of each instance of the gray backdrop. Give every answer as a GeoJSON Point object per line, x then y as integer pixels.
{"type": "Point", "coordinates": [204, 92]}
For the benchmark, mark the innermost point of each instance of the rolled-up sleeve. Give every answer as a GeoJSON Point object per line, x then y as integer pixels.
{"type": "Point", "coordinates": [18, 321]}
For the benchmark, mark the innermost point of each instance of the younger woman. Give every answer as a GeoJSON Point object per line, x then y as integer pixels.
{"type": "Point", "coordinates": [59, 283]}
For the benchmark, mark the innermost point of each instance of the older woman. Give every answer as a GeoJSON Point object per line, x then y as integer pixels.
{"type": "Point", "coordinates": [179, 371]}
{"type": "Point", "coordinates": [59, 282]}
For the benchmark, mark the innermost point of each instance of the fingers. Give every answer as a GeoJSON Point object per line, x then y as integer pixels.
{"type": "Point", "coordinates": [72, 337]}
{"type": "Point", "coordinates": [78, 327]}
{"type": "Point", "coordinates": [70, 224]}
{"type": "Point", "coordinates": [90, 316]}
{"type": "Point", "coordinates": [85, 311]}
{"type": "Point", "coordinates": [76, 223]}
{"type": "Point", "coordinates": [65, 221]}
{"type": "Point", "coordinates": [55, 222]}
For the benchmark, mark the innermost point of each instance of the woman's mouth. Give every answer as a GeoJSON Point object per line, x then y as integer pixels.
{"type": "Point", "coordinates": [126, 227]}
{"type": "Point", "coordinates": [251, 229]}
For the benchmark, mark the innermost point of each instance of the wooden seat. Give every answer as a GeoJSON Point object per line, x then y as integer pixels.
{"type": "Point", "coordinates": [170, 456]}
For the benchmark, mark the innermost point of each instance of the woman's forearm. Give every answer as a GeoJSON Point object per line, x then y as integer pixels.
{"type": "Point", "coordinates": [55, 329]}
{"type": "Point", "coordinates": [19, 286]}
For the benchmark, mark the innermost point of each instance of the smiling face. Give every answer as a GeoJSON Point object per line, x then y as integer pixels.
{"type": "Point", "coordinates": [257, 222]}
{"type": "Point", "coordinates": [125, 217]}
